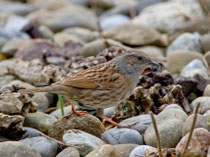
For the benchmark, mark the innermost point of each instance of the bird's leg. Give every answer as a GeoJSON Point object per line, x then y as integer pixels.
{"type": "Point", "coordinates": [99, 112]}
{"type": "Point", "coordinates": [79, 113]}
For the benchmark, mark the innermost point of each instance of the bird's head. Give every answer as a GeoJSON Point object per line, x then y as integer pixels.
{"type": "Point", "coordinates": [134, 63]}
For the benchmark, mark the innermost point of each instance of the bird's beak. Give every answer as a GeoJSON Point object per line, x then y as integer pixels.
{"type": "Point", "coordinates": [153, 63]}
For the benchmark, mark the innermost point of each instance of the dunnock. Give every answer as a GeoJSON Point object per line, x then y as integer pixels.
{"type": "Point", "coordinates": [101, 86]}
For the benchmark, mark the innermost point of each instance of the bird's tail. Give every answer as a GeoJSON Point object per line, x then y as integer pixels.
{"type": "Point", "coordinates": [49, 89]}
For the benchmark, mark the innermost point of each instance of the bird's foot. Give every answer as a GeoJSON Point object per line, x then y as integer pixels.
{"type": "Point", "coordinates": [116, 124]}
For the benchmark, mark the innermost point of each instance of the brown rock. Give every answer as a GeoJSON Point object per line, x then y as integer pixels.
{"type": "Point", "coordinates": [198, 146]}
{"type": "Point", "coordinates": [136, 35]}
{"type": "Point", "coordinates": [178, 59]}
{"type": "Point", "coordinates": [87, 123]}
{"type": "Point", "coordinates": [104, 151]}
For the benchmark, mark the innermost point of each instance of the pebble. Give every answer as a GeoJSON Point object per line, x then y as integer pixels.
{"type": "Point", "coordinates": [169, 123]}
{"type": "Point", "coordinates": [186, 41]}
{"type": "Point", "coordinates": [46, 32]}
{"type": "Point", "coordinates": [87, 141]}
{"type": "Point", "coordinates": [194, 64]}
{"type": "Point", "coordinates": [87, 123]}
{"type": "Point", "coordinates": [104, 151]}
{"type": "Point", "coordinates": [125, 149]}
{"type": "Point", "coordinates": [207, 57]}
{"type": "Point", "coordinates": [194, 72]}
{"type": "Point", "coordinates": [142, 123]}
{"type": "Point", "coordinates": [177, 60]}
{"type": "Point", "coordinates": [173, 106]}
{"type": "Point", "coordinates": [64, 17]}
{"type": "Point", "coordinates": [205, 42]}
{"type": "Point", "coordinates": [201, 122]}
{"type": "Point", "coordinates": [198, 145]}
{"type": "Point", "coordinates": [153, 52]}
{"type": "Point", "coordinates": [45, 147]}
{"type": "Point", "coordinates": [113, 21]}
{"type": "Point", "coordinates": [40, 121]}
{"type": "Point", "coordinates": [109, 112]}
{"type": "Point", "coordinates": [207, 113]}
{"type": "Point", "coordinates": [16, 149]}
{"type": "Point", "coordinates": [140, 151]}
{"type": "Point", "coordinates": [122, 136]}
{"type": "Point", "coordinates": [136, 35]}
{"type": "Point", "coordinates": [207, 90]}
{"type": "Point", "coordinates": [30, 132]}
{"type": "Point", "coordinates": [165, 16]}
{"type": "Point", "coordinates": [69, 152]}
{"type": "Point", "coordinates": [204, 104]}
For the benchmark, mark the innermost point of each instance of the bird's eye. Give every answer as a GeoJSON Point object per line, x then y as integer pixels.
{"type": "Point", "coordinates": [139, 58]}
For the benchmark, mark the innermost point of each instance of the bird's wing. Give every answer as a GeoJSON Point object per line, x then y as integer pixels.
{"type": "Point", "coordinates": [96, 78]}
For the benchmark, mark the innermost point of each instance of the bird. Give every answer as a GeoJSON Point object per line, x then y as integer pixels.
{"type": "Point", "coordinates": [102, 86]}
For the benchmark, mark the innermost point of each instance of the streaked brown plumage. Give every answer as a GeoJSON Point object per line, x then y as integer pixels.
{"type": "Point", "coordinates": [104, 85]}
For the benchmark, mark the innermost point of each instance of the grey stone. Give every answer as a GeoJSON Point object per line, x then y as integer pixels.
{"type": "Point", "coordinates": [113, 21]}
{"type": "Point", "coordinates": [194, 72]}
{"type": "Point", "coordinates": [173, 106]}
{"type": "Point", "coordinates": [177, 60]}
{"type": "Point", "coordinates": [186, 41]}
{"type": "Point", "coordinates": [15, 8]}
{"type": "Point", "coordinates": [40, 121]}
{"type": "Point", "coordinates": [69, 152]}
{"type": "Point", "coordinates": [122, 136]}
{"type": "Point", "coordinates": [204, 104]}
{"type": "Point", "coordinates": [140, 151]}
{"type": "Point", "coordinates": [169, 123]}
{"type": "Point", "coordinates": [16, 149]}
{"type": "Point", "coordinates": [109, 112]}
{"type": "Point", "coordinates": [165, 16]}
{"type": "Point", "coordinates": [46, 32]}
{"type": "Point", "coordinates": [194, 64]}
{"type": "Point", "coordinates": [201, 122]}
{"type": "Point", "coordinates": [30, 132]}
{"type": "Point", "coordinates": [141, 123]}
{"type": "Point", "coordinates": [153, 52]}
{"type": "Point", "coordinates": [67, 16]}
{"type": "Point", "coordinates": [79, 138]}
{"type": "Point", "coordinates": [42, 145]}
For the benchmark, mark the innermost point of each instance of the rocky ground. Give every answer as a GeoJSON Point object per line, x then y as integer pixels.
{"type": "Point", "coordinates": [42, 41]}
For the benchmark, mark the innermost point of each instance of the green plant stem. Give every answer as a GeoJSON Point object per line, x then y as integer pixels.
{"type": "Point", "coordinates": [61, 104]}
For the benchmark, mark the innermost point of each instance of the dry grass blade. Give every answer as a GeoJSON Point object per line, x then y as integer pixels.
{"type": "Point", "coordinates": [191, 130]}
{"type": "Point", "coordinates": [157, 134]}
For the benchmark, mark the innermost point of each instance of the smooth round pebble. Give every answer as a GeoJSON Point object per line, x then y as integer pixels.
{"type": "Point", "coordinates": [42, 145]}
{"type": "Point", "coordinates": [169, 123]}
{"type": "Point", "coordinates": [201, 122]}
{"type": "Point", "coordinates": [173, 106]}
{"type": "Point", "coordinates": [140, 151]}
{"type": "Point", "coordinates": [69, 152]}
{"type": "Point", "coordinates": [40, 121]}
{"type": "Point", "coordinates": [204, 104]}
{"type": "Point", "coordinates": [207, 91]}
{"type": "Point", "coordinates": [87, 141]}
{"type": "Point", "coordinates": [16, 149]}
{"type": "Point", "coordinates": [30, 132]}
{"type": "Point", "coordinates": [141, 122]}
{"type": "Point", "coordinates": [125, 149]}
{"type": "Point", "coordinates": [122, 136]}
{"type": "Point", "coordinates": [104, 151]}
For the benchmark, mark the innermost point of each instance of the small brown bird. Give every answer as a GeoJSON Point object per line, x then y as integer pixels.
{"type": "Point", "coordinates": [101, 86]}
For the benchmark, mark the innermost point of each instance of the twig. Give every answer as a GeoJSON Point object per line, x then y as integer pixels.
{"type": "Point", "coordinates": [157, 134]}
{"type": "Point", "coordinates": [191, 130]}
